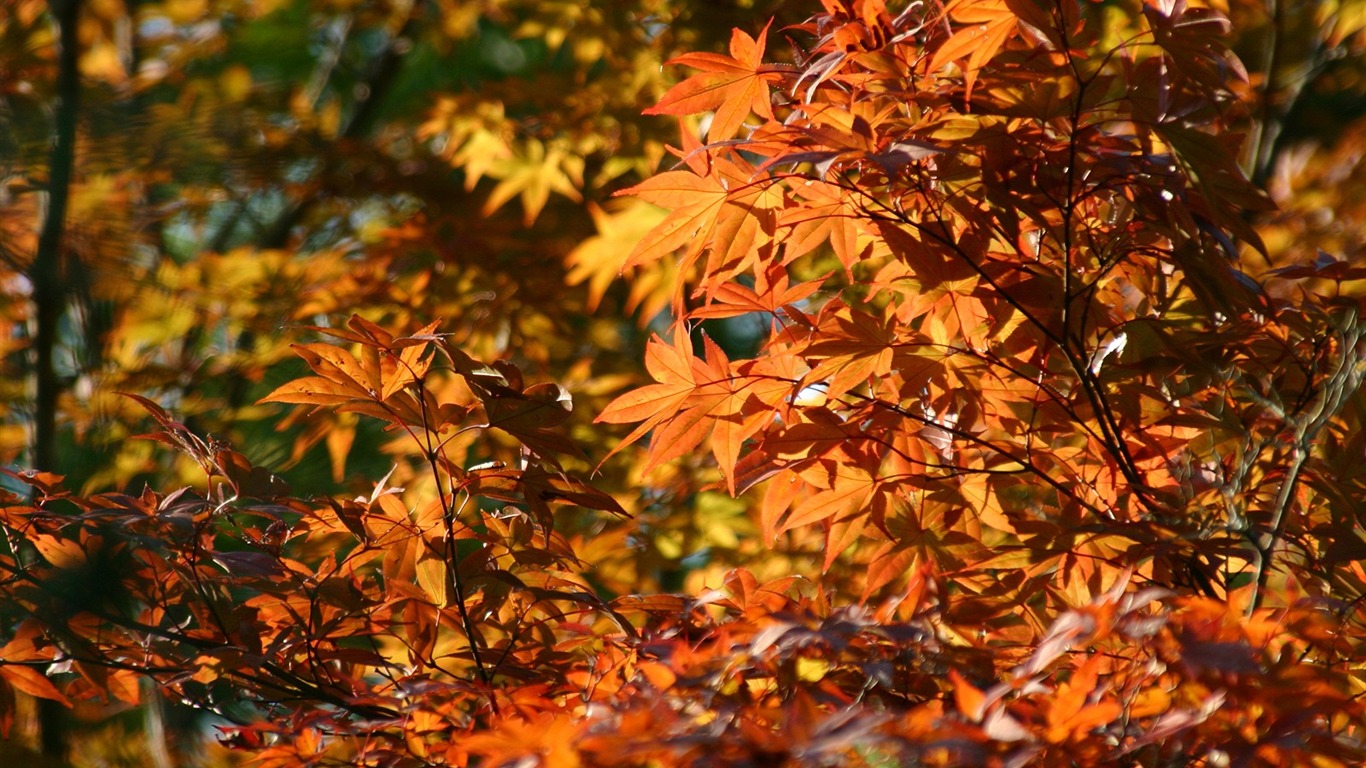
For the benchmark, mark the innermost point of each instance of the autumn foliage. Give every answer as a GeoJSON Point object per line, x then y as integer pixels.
{"type": "Point", "coordinates": [1047, 451]}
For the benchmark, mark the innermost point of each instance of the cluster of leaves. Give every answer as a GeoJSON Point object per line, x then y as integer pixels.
{"type": "Point", "coordinates": [1034, 363]}
{"type": "Point", "coordinates": [1048, 453]}
{"type": "Point", "coordinates": [411, 606]}
{"type": "Point", "coordinates": [448, 622]}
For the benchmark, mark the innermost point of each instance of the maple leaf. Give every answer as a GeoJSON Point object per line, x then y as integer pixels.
{"type": "Point", "coordinates": [844, 490]}
{"type": "Point", "coordinates": [694, 398]}
{"type": "Point", "coordinates": [732, 86]}
{"type": "Point", "coordinates": [601, 259]}
{"type": "Point", "coordinates": [986, 26]}
{"type": "Point", "coordinates": [694, 202]}
{"type": "Point", "coordinates": [532, 176]}
{"type": "Point", "coordinates": [828, 214]}
{"type": "Point", "coordinates": [671, 367]}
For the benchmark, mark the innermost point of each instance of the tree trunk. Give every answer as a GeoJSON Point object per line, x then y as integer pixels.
{"type": "Point", "coordinates": [49, 297]}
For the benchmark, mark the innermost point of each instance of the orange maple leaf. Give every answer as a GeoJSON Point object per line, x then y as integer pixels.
{"type": "Point", "coordinates": [987, 25]}
{"type": "Point", "coordinates": [732, 87]}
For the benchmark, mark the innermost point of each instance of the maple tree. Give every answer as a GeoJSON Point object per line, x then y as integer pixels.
{"type": "Point", "coordinates": [1041, 445]}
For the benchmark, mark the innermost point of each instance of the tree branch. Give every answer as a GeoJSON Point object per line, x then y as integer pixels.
{"type": "Point", "coordinates": [1339, 386]}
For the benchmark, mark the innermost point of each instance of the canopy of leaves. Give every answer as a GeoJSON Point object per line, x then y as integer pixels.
{"type": "Point", "coordinates": [988, 380]}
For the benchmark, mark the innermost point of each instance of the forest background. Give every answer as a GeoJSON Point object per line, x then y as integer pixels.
{"type": "Point", "coordinates": [994, 368]}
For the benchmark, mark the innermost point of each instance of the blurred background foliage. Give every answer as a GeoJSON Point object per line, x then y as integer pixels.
{"type": "Point", "coordinates": [245, 168]}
